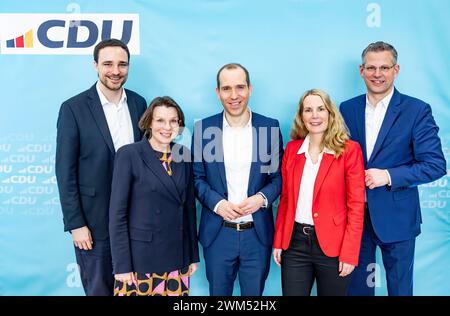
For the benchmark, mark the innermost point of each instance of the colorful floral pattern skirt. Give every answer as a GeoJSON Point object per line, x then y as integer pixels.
{"type": "Point", "coordinates": [175, 283]}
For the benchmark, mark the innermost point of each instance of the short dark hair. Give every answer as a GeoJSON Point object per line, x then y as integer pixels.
{"type": "Point", "coordinates": [380, 46]}
{"type": "Point", "coordinates": [108, 43]}
{"type": "Point", "coordinates": [146, 120]}
{"type": "Point", "coordinates": [233, 66]}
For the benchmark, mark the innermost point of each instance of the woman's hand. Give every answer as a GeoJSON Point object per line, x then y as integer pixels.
{"type": "Point", "coordinates": [129, 278]}
{"type": "Point", "coordinates": [345, 268]}
{"type": "Point", "coordinates": [277, 256]}
{"type": "Point", "coordinates": [192, 268]}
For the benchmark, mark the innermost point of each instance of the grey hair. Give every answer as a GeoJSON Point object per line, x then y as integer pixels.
{"type": "Point", "coordinates": [380, 46]}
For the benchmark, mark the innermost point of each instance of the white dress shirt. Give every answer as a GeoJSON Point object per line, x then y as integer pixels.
{"type": "Point", "coordinates": [303, 213]}
{"type": "Point", "coordinates": [374, 119]}
{"type": "Point", "coordinates": [237, 155]}
{"type": "Point", "coordinates": [118, 119]}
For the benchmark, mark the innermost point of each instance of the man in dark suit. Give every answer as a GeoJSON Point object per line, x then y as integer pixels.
{"type": "Point", "coordinates": [237, 157]}
{"type": "Point", "coordinates": [91, 127]}
{"type": "Point", "coordinates": [401, 150]}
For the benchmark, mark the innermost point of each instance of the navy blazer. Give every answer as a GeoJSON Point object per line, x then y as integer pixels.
{"type": "Point", "coordinates": [85, 159]}
{"type": "Point", "coordinates": [152, 221]}
{"type": "Point", "coordinates": [408, 146]}
{"type": "Point", "coordinates": [210, 179]}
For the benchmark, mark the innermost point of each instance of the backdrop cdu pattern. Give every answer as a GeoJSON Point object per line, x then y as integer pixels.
{"type": "Point", "coordinates": [177, 47]}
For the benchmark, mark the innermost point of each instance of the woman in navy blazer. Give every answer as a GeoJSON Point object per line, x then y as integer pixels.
{"type": "Point", "coordinates": [152, 215]}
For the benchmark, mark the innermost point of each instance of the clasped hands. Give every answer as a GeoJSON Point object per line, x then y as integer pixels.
{"type": "Point", "coordinates": [230, 211]}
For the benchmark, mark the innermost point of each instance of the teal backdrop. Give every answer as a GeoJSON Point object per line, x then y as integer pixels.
{"type": "Point", "coordinates": [288, 46]}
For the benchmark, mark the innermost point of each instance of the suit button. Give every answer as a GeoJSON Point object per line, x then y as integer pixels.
{"type": "Point", "coordinates": [180, 208]}
{"type": "Point", "coordinates": [158, 211]}
{"type": "Point", "coordinates": [316, 214]}
{"type": "Point", "coordinates": [181, 227]}
{"type": "Point", "coordinates": [225, 194]}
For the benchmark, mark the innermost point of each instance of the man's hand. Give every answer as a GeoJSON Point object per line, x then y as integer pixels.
{"type": "Point", "coordinates": [376, 178]}
{"type": "Point", "coordinates": [229, 211]}
{"type": "Point", "coordinates": [252, 204]}
{"type": "Point", "coordinates": [128, 277]}
{"type": "Point", "coordinates": [82, 238]}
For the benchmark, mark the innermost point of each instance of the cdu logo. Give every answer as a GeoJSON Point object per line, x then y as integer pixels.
{"type": "Point", "coordinates": [20, 42]}
{"type": "Point", "coordinates": [75, 34]}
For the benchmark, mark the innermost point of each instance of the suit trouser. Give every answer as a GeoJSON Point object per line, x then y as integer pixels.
{"type": "Point", "coordinates": [96, 269]}
{"type": "Point", "coordinates": [398, 261]}
{"type": "Point", "coordinates": [304, 261]}
{"type": "Point", "coordinates": [234, 252]}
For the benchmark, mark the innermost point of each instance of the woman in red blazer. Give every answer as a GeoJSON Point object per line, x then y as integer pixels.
{"type": "Point", "coordinates": [321, 212]}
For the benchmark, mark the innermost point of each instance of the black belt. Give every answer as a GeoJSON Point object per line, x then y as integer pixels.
{"type": "Point", "coordinates": [239, 227]}
{"type": "Point", "coordinates": [306, 229]}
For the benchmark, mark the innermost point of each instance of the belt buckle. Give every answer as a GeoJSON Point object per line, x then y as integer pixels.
{"type": "Point", "coordinates": [238, 227]}
{"type": "Point", "coordinates": [304, 230]}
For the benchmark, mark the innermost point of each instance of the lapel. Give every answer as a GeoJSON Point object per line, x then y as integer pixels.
{"type": "Point", "coordinates": [325, 164]}
{"type": "Point", "coordinates": [99, 116]}
{"type": "Point", "coordinates": [179, 172]}
{"type": "Point", "coordinates": [361, 124]}
{"type": "Point", "coordinates": [220, 162]}
{"type": "Point", "coordinates": [391, 114]}
{"type": "Point", "coordinates": [132, 107]}
{"type": "Point", "coordinates": [299, 165]}
{"type": "Point", "coordinates": [255, 164]}
{"type": "Point", "coordinates": [148, 155]}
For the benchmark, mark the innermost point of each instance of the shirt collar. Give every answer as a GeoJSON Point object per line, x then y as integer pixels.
{"type": "Point", "coordinates": [305, 146]}
{"type": "Point", "coordinates": [248, 124]}
{"type": "Point", "coordinates": [384, 102]}
{"type": "Point", "coordinates": [104, 101]}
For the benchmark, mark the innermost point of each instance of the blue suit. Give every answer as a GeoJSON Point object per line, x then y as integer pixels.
{"type": "Point", "coordinates": [220, 243]}
{"type": "Point", "coordinates": [84, 168]}
{"type": "Point", "coordinates": [407, 146]}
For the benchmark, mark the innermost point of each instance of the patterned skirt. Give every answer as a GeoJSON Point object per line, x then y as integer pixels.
{"type": "Point", "coordinates": [175, 283]}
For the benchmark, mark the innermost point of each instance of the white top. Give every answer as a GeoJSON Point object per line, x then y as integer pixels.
{"type": "Point", "coordinates": [118, 119]}
{"type": "Point", "coordinates": [374, 119]}
{"type": "Point", "coordinates": [303, 213]}
{"type": "Point", "coordinates": [237, 155]}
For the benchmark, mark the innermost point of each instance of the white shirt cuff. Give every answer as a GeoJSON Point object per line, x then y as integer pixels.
{"type": "Point", "coordinates": [265, 200]}
{"type": "Point", "coordinates": [217, 206]}
{"type": "Point", "coordinates": [389, 177]}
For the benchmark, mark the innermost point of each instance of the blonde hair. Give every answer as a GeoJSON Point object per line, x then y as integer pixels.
{"type": "Point", "coordinates": [336, 133]}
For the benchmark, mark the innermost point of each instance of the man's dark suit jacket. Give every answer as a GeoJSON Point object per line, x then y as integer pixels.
{"type": "Point", "coordinates": [85, 159]}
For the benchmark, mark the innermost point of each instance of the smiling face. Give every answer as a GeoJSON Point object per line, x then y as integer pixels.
{"type": "Point", "coordinates": [315, 115]}
{"type": "Point", "coordinates": [234, 92]}
{"type": "Point", "coordinates": [112, 67]}
{"type": "Point", "coordinates": [164, 126]}
{"type": "Point", "coordinates": [379, 72]}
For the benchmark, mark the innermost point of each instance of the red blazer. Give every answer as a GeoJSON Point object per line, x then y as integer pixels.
{"type": "Point", "coordinates": [338, 201]}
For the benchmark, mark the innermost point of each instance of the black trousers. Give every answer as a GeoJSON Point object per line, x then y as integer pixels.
{"type": "Point", "coordinates": [96, 269]}
{"type": "Point", "coordinates": [304, 262]}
